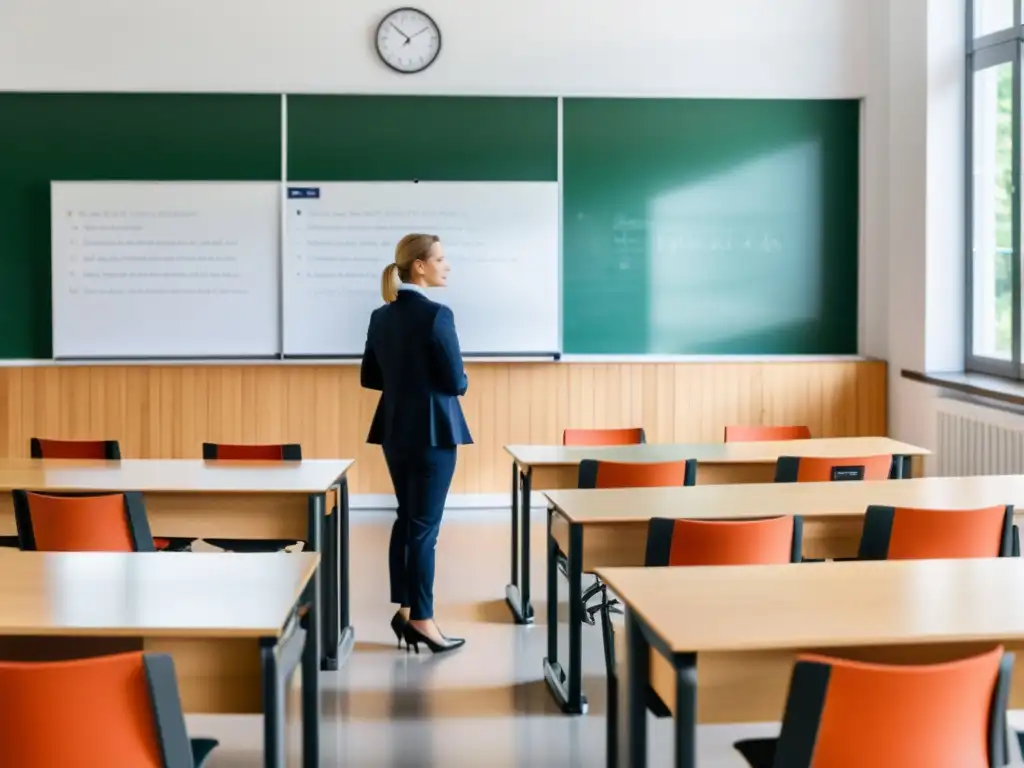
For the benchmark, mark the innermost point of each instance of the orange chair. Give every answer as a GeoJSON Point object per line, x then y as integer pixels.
{"type": "Point", "coordinates": [740, 434]}
{"type": "Point", "coordinates": [42, 448]}
{"type": "Point", "coordinates": [806, 469]}
{"type": "Point", "coordinates": [604, 437]}
{"type": "Point", "coordinates": [670, 542]}
{"type": "Point", "coordinates": [761, 541]}
{"type": "Point", "coordinates": [118, 710]}
{"type": "Point", "coordinates": [625, 474]}
{"type": "Point", "coordinates": [848, 714]}
{"type": "Point", "coordinates": [893, 533]}
{"type": "Point", "coordinates": [252, 452]}
{"type": "Point", "coordinates": [108, 522]}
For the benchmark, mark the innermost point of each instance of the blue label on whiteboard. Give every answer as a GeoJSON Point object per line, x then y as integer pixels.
{"type": "Point", "coordinates": [303, 193]}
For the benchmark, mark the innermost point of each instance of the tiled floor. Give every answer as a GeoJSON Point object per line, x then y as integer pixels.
{"type": "Point", "coordinates": [484, 706]}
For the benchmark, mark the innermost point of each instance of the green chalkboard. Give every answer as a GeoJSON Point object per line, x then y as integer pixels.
{"type": "Point", "coordinates": [431, 138]}
{"type": "Point", "coordinates": [710, 226]}
{"type": "Point", "coordinates": [99, 137]}
{"type": "Point", "coordinates": [689, 226]}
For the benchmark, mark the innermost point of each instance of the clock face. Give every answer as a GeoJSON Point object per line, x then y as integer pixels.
{"type": "Point", "coordinates": [408, 40]}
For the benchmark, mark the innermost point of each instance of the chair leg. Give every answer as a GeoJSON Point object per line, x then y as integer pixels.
{"type": "Point", "coordinates": [590, 591]}
{"type": "Point", "coordinates": [607, 631]}
{"type": "Point", "coordinates": [612, 705]}
{"type": "Point", "coordinates": [589, 612]}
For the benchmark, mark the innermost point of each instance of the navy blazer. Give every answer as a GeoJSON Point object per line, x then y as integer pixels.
{"type": "Point", "coordinates": [413, 358]}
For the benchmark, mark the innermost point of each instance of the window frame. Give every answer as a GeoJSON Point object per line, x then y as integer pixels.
{"type": "Point", "coordinates": [992, 50]}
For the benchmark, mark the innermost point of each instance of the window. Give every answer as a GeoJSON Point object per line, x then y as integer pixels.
{"type": "Point", "coordinates": [992, 219]}
{"type": "Point", "coordinates": [994, 132]}
{"type": "Point", "coordinates": [992, 16]}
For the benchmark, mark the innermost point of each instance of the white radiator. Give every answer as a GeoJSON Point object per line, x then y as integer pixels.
{"type": "Point", "coordinates": [978, 440]}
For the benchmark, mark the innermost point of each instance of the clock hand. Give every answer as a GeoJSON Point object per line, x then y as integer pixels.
{"type": "Point", "coordinates": [407, 38]}
{"type": "Point", "coordinates": [420, 32]}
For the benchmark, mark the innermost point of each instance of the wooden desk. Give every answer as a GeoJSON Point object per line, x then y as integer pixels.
{"type": "Point", "coordinates": [549, 467]}
{"type": "Point", "coordinates": [223, 499]}
{"type": "Point", "coordinates": [588, 529]}
{"type": "Point", "coordinates": [718, 643]}
{"type": "Point", "coordinates": [230, 622]}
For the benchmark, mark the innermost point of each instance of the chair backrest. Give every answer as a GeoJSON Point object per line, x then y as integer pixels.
{"type": "Point", "coordinates": [763, 541]}
{"type": "Point", "coordinates": [243, 452]}
{"type": "Point", "coordinates": [596, 437]}
{"type": "Point", "coordinates": [806, 469]}
{"type": "Point", "coordinates": [624, 474]}
{"type": "Point", "coordinates": [742, 434]}
{"type": "Point", "coordinates": [893, 533]}
{"type": "Point", "coordinates": [42, 448]}
{"type": "Point", "coordinates": [848, 714]}
{"type": "Point", "coordinates": [107, 522]}
{"type": "Point", "coordinates": [122, 709]}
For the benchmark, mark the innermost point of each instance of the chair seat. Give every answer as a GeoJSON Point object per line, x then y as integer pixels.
{"type": "Point", "coordinates": [759, 753]}
{"type": "Point", "coordinates": [201, 749]}
{"type": "Point", "coordinates": [253, 545]}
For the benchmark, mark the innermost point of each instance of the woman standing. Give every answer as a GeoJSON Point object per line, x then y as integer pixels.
{"type": "Point", "coordinates": [412, 357]}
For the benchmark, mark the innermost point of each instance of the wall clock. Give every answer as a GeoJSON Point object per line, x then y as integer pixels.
{"type": "Point", "coordinates": [408, 40]}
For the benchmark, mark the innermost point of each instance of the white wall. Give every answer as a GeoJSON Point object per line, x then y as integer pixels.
{"type": "Point", "coordinates": [797, 48]}
{"type": "Point", "coordinates": [874, 191]}
{"type": "Point", "coordinates": [926, 212]}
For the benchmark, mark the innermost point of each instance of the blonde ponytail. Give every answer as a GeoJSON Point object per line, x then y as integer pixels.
{"type": "Point", "coordinates": [410, 249]}
{"type": "Point", "coordinates": [389, 283]}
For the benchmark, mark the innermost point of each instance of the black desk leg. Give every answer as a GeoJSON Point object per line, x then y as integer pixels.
{"type": "Point", "coordinates": [318, 528]}
{"type": "Point", "coordinates": [279, 657]}
{"type": "Point", "coordinates": [512, 588]}
{"type": "Point", "coordinates": [566, 684]}
{"type": "Point", "coordinates": [310, 687]}
{"type": "Point", "coordinates": [517, 593]}
{"type": "Point", "coordinates": [329, 625]}
{"type": "Point", "coordinates": [638, 661]}
{"type": "Point", "coordinates": [686, 710]}
{"type": "Point", "coordinates": [552, 590]}
{"type": "Point", "coordinates": [612, 720]}
{"type": "Point", "coordinates": [343, 575]}
{"type": "Point", "coordinates": [553, 674]}
{"type": "Point", "coordinates": [526, 485]}
{"type": "Point", "coordinates": [274, 753]}
{"type": "Point", "coordinates": [514, 576]}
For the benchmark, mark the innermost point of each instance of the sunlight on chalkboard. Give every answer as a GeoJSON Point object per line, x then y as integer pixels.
{"type": "Point", "coordinates": [717, 249]}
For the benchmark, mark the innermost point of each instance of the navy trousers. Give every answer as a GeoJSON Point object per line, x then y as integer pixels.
{"type": "Point", "coordinates": [421, 478]}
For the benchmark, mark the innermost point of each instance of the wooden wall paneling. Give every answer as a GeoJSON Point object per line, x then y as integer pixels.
{"type": "Point", "coordinates": [168, 411]}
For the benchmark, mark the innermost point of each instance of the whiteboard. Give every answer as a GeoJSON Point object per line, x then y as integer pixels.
{"type": "Point", "coordinates": [165, 269]}
{"type": "Point", "coordinates": [501, 239]}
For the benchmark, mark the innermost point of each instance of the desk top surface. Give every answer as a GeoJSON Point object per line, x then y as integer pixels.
{"type": "Point", "coordinates": [826, 605]}
{"type": "Point", "coordinates": [161, 594]}
{"type": "Point", "coordinates": [173, 475]}
{"type": "Point", "coordinates": [766, 452]}
{"type": "Point", "coordinates": [826, 499]}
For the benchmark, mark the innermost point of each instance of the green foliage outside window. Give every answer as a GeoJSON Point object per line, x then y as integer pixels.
{"type": "Point", "coordinates": [1004, 210]}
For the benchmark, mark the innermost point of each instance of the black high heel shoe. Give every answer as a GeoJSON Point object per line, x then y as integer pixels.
{"type": "Point", "coordinates": [413, 638]}
{"type": "Point", "coordinates": [398, 625]}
